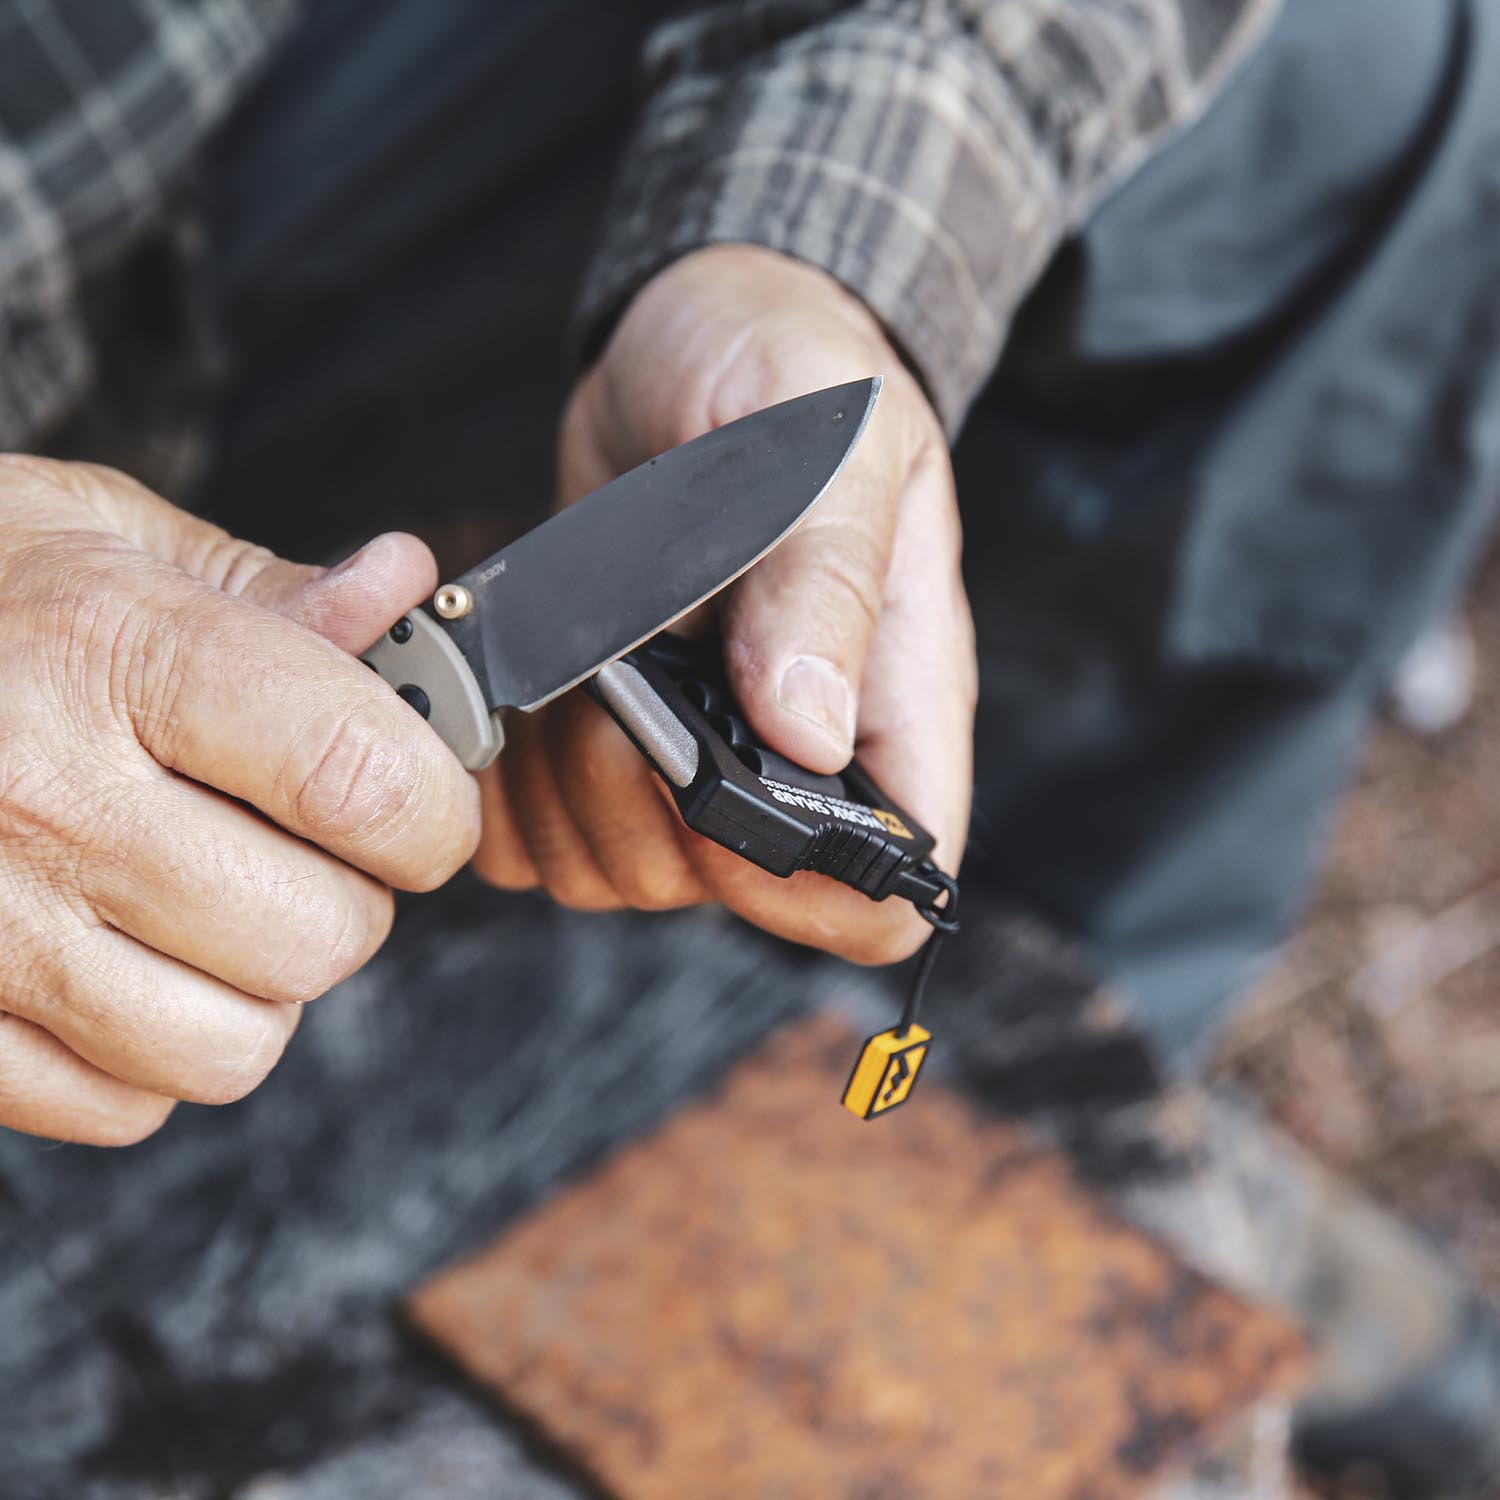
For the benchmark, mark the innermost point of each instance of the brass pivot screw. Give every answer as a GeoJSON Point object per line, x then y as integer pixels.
{"type": "Point", "coordinates": [453, 601]}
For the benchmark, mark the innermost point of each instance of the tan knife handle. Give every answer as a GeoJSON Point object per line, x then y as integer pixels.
{"type": "Point", "coordinates": [418, 658]}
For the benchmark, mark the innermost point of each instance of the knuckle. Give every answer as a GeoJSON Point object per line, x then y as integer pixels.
{"type": "Point", "coordinates": [63, 637]}
{"type": "Point", "coordinates": [112, 848]}
{"type": "Point", "coordinates": [39, 832]}
{"type": "Point", "coordinates": [146, 664]}
{"type": "Point", "coordinates": [225, 562]}
{"type": "Point", "coordinates": [362, 784]}
{"type": "Point", "coordinates": [332, 942]}
{"type": "Point", "coordinates": [87, 473]}
{"type": "Point", "coordinates": [45, 957]}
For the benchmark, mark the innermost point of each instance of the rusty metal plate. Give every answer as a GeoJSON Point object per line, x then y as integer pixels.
{"type": "Point", "coordinates": [769, 1300]}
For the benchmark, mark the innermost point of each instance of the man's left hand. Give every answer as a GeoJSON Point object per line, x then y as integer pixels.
{"type": "Point", "coordinates": [854, 634]}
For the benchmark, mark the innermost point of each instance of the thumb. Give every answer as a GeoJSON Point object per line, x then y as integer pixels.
{"type": "Point", "coordinates": [352, 604]}
{"type": "Point", "coordinates": [798, 626]}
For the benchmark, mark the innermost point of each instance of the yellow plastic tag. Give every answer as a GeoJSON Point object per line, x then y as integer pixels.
{"type": "Point", "coordinates": [886, 1071]}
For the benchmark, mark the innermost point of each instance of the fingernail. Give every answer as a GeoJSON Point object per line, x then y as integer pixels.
{"type": "Point", "coordinates": [350, 561]}
{"type": "Point", "coordinates": [815, 689]}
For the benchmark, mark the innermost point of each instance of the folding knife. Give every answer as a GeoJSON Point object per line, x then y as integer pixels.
{"type": "Point", "coordinates": [569, 598]}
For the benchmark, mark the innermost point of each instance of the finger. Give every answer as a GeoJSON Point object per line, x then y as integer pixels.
{"type": "Point", "coordinates": [916, 736]}
{"type": "Point", "coordinates": [553, 843]}
{"type": "Point", "coordinates": [153, 1022]}
{"type": "Point", "coordinates": [798, 626]}
{"type": "Point", "coordinates": [612, 795]}
{"type": "Point", "coordinates": [501, 858]}
{"type": "Point", "coordinates": [808, 908]}
{"type": "Point", "coordinates": [49, 1091]}
{"type": "Point", "coordinates": [355, 603]}
{"type": "Point", "coordinates": [203, 880]}
{"type": "Point", "coordinates": [241, 700]}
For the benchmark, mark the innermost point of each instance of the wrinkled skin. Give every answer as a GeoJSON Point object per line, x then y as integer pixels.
{"type": "Point", "coordinates": [203, 799]}
{"type": "Point", "coordinates": [854, 634]}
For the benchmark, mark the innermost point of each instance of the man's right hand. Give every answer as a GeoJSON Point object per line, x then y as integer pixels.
{"type": "Point", "coordinates": [203, 797]}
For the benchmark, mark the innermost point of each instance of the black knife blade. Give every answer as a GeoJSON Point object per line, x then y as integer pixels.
{"type": "Point", "coordinates": [597, 579]}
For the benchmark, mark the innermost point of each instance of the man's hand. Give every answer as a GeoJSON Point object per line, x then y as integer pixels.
{"type": "Point", "coordinates": [203, 799]}
{"type": "Point", "coordinates": [854, 633]}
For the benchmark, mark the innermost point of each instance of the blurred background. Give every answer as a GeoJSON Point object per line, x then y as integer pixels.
{"type": "Point", "coordinates": [1375, 1038]}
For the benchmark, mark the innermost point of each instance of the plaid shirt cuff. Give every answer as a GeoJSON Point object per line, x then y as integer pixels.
{"type": "Point", "coordinates": [931, 157]}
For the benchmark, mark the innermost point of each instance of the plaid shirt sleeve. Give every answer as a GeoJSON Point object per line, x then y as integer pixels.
{"type": "Point", "coordinates": [102, 104]}
{"type": "Point", "coordinates": [930, 154]}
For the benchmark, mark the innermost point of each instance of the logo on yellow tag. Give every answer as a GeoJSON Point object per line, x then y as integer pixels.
{"type": "Point", "coordinates": [886, 1071]}
{"type": "Point", "coordinates": [891, 823]}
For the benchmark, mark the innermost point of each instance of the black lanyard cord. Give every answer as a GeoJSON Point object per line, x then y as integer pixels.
{"type": "Point", "coordinates": [944, 922]}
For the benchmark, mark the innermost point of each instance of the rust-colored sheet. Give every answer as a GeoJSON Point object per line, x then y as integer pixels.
{"type": "Point", "coordinates": [770, 1300]}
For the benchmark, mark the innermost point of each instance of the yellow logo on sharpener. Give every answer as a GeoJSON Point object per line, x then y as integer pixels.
{"type": "Point", "coordinates": [886, 1070]}
{"type": "Point", "coordinates": [891, 823]}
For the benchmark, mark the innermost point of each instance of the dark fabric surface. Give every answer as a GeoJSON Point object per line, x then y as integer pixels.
{"type": "Point", "coordinates": [219, 1303]}
{"type": "Point", "coordinates": [398, 222]}
{"type": "Point", "coordinates": [214, 1312]}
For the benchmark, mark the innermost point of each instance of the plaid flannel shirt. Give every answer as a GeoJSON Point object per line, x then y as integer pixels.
{"type": "Point", "coordinates": [930, 154]}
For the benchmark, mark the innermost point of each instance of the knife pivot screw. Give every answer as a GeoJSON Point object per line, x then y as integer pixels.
{"type": "Point", "coordinates": [401, 631]}
{"type": "Point", "coordinates": [413, 696]}
{"type": "Point", "coordinates": [453, 601]}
